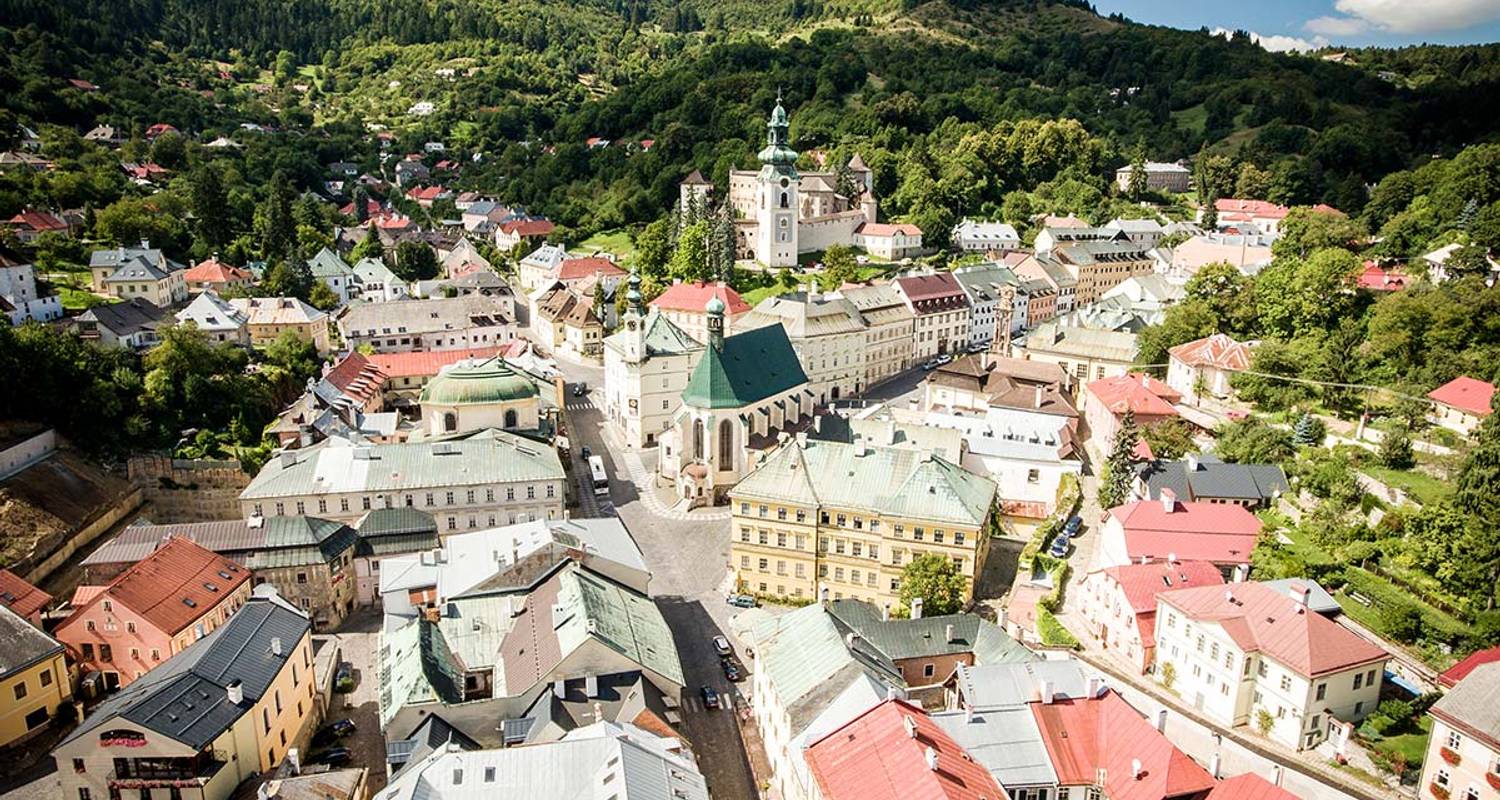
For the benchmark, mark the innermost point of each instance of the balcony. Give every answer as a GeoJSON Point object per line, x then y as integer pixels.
{"type": "Point", "coordinates": [164, 773]}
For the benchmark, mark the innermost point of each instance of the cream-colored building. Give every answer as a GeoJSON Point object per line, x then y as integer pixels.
{"type": "Point", "coordinates": [647, 363]}
{"type": "Point", "coordinates": [683, 304]}
{"type": "Point", "coordinates": [1085, 353]}
{"type": "Point", "coordinates": [35, 680]}
{"type": "Point", "coordinates": [138, 272]}
{"type": "Point", "coordinates": [215, 715]}
{"type": "Point", "coordinates": [474, 394]}
{"type": "Point", "coordinates": [847, 518]}
{"type": "Point", "coordinates": [942, 314]}
{"type": "Point", "coordinates": [890, 330]}
{"type": "Point", "coordinates": [266, 318]}
{"type": "Point", "coordinates": [1251, 654]}
{"type": "Point", "coordinates": [827, 332]}
{"type": "Point", "coordinates": [1463, 752]}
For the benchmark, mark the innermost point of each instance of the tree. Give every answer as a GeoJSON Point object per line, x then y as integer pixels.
{"type": "Point", "coordinates": [1477, 491]}
{"type": "Point", "coordinates": [1169, 439]}
{"type": "Point", "coordinates": [1395, 450]}
{"type": "Point", "coordinates": [169, 150]}
{"type": "Point", "coordinates": [839, 266]}
{"type": "Point", "coordinates": [1309, 431]}
{"type": "Point", "coordinates": [935, 579]}
{"type": "Point", "coordinates": [653, 248]}
{"type": "Point", "coordinates": [275, 226]}
{"type": "Point", "coordinates": [690, 259]}
{"type": "Point", "coordinates": [1251, 441]}
{"type": "Point", "coordinates": [1253, 182]}
{"type": "Point", "coordinates": [1466, 261]}
{"type": "Point", "coordinates": [1306, 230]}
{"type": "Point", "coordinates": [321, 297]}
{"type": "Point", "coordinates": [209, 204]}
{"type": "Point", "coordinates": [1139, 181]}
{"type": "Point", "coordinates": [291, 278]}
{"type": "Point", "coordinates": [369, 247]}
{"type": "Point", "coordinates": [415, 262]}
{"type": "Point", "coordinates": [1119, 467]}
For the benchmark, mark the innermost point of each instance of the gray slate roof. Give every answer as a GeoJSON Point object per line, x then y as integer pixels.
{"type": "Point", "coordinates": [22, 644]}
{"type": "Point", "coordinates": [1213, 478]}
{"type": "Point", "coordinates": [272, 542]}
{"type": "Point", "coordinates": [1474, 704]}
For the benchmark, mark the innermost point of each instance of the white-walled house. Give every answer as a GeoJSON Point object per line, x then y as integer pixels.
{"type": "Point", "coordinates": [1463, 752]}
{"type": "Point", "coordinates": [1249, 654]}
{"type": "Point", "coordinates": [1205, 366]}
{"type": "Point", "coordinates": [1119, 603]}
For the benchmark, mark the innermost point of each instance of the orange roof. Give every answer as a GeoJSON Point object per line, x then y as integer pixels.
{"type": "Point", "coordinates": [1262, 619]}
{"type": "Point", "coordinates": [83, 594]}
{"type": "Point", "coordinates": [695, 295]}
{"type": "Point", "coordinates": [572, 269]}
{"type": "Point", "coordinates": [1461, 670]}
{"type": "Point", "coordinates": [894, 751]}
{"type": "Point", "coordinates": [1104, 734]}
{"type": "Point", "coordinates": [1223, 533]}
{"type": "Point", "coordinates": [426, 363]}
{"type": "Point", "coordinates": [170, 587]}
{"type": "Point", "coordinates": [214, 271]}
{"type": "Point", "coordinates": [889, 229]}
{"type": "Point", "coordinates": [1217, 350]}
{"type": "Point", "coordinates": [1141, 583]}
{"type": "Point", "coordinates": [357, 377]}
{"type": "Point", "coordinates": [1245, 209]}
{"type": "Point", "coordinates": [1465, 394]}
{"type": "Point", "coordinates": [20, 596]}
{"type": "Point", "coordinates": [38, 221]}
{"type": "Point", "coordinates": [1249, 787]}
{"type": "Point", "coordinates": [527, 227]}
{"type": "Point", "coordinates": [1137, 392]}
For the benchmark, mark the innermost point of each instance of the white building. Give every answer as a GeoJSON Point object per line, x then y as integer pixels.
{"type": "Point", "coordinates": [647, 363]}
{"type": "Point", "coordinates": [1205, 366]}
{"type": "Point", "coordinates": [328, 268]}
{"type": "Point", "coordinates": [449, 323]}
{"type": "Point", "coordinates": [1160, 176]}
{"type": "Point", "coordinates": [984, 236]}
{"type": "Point", "coordinates": [1463, 752]}
{"type": "Point", "coordinates": [217, 319]}
{"type": "Point", "coordinates": [1251, 655]}
{"type": "Point", "coordinates": [375, 282]}
{"type": "Point", "coordinates": [19, 300]}
{"type": "Point", "coordinates": [988, 287]}
{"type": "Point", "coordinates": [941, 311]}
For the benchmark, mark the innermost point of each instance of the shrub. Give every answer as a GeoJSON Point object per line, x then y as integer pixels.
{"type": "Point", "coordinates": [1264, 722]}
{"type": "Point", "coordinates": [1395, 450]}
{"type": "Point", "coordinates": [1051, 632]}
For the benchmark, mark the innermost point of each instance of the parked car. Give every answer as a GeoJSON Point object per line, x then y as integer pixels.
{"type": "Point", "coordinates": [580, 389]}
{"type": "Point", "coordinates": [721, 646]}
{"type": "Point", "coordinates": [343, 677]}
{"type": "Point", "coordinates": [1073, 526]}
{"type": "Point", "coordinates": [1059, 546]}
{"type": "Point", "coordinates": [585, 452]}
{"type": "Point", "coordinates": [932, 365]}
{"type": "Point", "coordinates": [332, 732]}
{"type": "Point", "coordinates": [943, 359]}
{"type": "Point", "coordinates": [710, 697]}
{"type": "Point", "coordinates": [333, 756]}
{"type": "Point", "coordinates": [731, 670]}
{"type": "Point", "coordinates": [741, 600]}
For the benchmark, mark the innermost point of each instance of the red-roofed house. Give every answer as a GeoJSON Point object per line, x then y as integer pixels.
{"type": "Point", "coordinates": [357, 379]}
{"type": "Point", "coordinates": [1450, 677]}
{"type": "Point", "coordinates": [1206, 365]}
{"type": "Point", "coordinates": [154, 610]}
{"type": "Point", "coordinates": [1120, 603]}
{"type": "Point", "coordinates": [891, 241]}
{"type": "Point", "coordinates": [1106, 401]}
{"type": "Point", "coordinates": [1249, 787]}
{"type": "Point", "coordinates": [512, 232]}
{"type": "Point", "coordinates": [30, 223]}
{"type": "Point", "coordinates": [894, 751]}
{"type": "Point", "coordinates": [942, 310]}
{"type": "Point", "coordinates": [214, 275]}
{"type": "Point", "coordinates": [427, 195]}
{"type": "Point", "coordinates": [683, 303]}
{"type": "Point", "coordinates": [407, 373]}
{"type": "Point", "coordinates": [1102, 743]}
{"type": "Point", "coordinates": [572, 270]}
{"type": "Point", "coordinates": [1161, 530]}
{"type": "Point", "coordinates": [159, 129]}
{"type": "Point", "coordinates": [1235, 651]}
{"type": "Point", "coordinates": [27, 601]}
{"type": "Point", "coordinates": [1461, 404]}
{"type": "Point", "coordinates": [1266, 216]}
{"type": "Point", "coordinates": [1376, 278]}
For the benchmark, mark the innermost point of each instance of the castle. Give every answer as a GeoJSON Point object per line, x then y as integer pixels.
{"type": "Point", "coordinates": [780, 212]}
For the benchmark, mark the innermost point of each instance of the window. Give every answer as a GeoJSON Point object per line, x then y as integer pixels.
{"type": "Point", "coordinates": [1370, 678]}
{"type": "Point", "coordinates": [1454, 740]}
{"type": "Point", "coordinates": [302, 577]}
{"type": "Point", "coordinates": [265, 719]}
{"type": "Point", "coordinates": [458, 776]}
{"type": "Point", "coordinates": [47, 678]}
{"type": "Point", "coordinates": [1359, 680]}
{"type": "Point", "coordinates": [88, 652]}
{"type": "Point", "coordinates": [130, 627]}
{"type": "Point", "coordinates": [958, 538]}
{"type": "Point", "coordinates": [106, 653]}
{"type": "Point", "coordinates": [1286, 683]}
{"type": "Point", "coordinates": [1322, 691]}
{"type": "Point", "coordinates": [489, 774]}
{"type": "Point", "coordinates": [83, 791]}
{"type": "Point", "coordinates": [1441, 779]}
{"type": "Point", "coordinates": [20, 690]}
{"type": "Point", "coordinates": [928, 670]}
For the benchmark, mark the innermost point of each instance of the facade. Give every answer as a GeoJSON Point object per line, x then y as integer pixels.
{"type": "Point", "coordinates": [219, 320]}
{"type": "Point", "coordinates": [143, 273]}
{"type": "Point", "coordinates": [1237, 652]}
{"type": "Point", "coordinates": [211, 274]}
{"type": "Point", "coordinates": [34, 679]}
{"type": "Point", "coordinates": [1171, 530]}
{"type": "Point", "coordinates": [132, 324]}
{"type": "Point", "coordinates": [890, 330]}
{"type": "Point", "coordinates": [997, 303]}
{"type": "Point", "coordinates": [519, 231]}
{"type": "Point", "coordinates": [1255, 215]}
{"type": "Point", "coordinates": [482, 479]}
{"type": "Point", "coordinates": [1099, 266]}
{"type": "Point", "coordinates": [471, 395]}
{"type": "Point", "coordinates": [539, 268]}
{"type": "Point", "coordinates": [1084, 353]}
{"type": "Point", "coordinates": [1460, 405]}
{"type": "Point", "coordinates": [890, 241]}
{"type": "Point", "coordinates": [19, 299]}
{"type": "Point", "coordinates": [208, 720]}
{"type": "Point", "coordinates": [564, 321]}
{"type": "Point", "coordinates": [1160, 177]}
{"type": "Point", "coordinates": [310, 561]}
{"type": "Point", "coordinates": [384, 533]}
{"type": "Point", "coordinates": [332, 271]}
{"type": "Point", "coordinates": [647, 364]}
{"type": "Point", "coordinates": [266, 318]}
{"type": "Point", "coordinates": [1206, 365]}
{"type": "Point", "coordinates": [1049, 271]}
{"type": "Point", "coordinates": [1463, 752]}
{"type": "Point", "coordinates": [450, 323]}
{"type": "Point", "coordinates": [984, 236]}
{"type": "Point", "coordinates": [744, 390]}
{"type": "Point", "coordinates": [845, 519]}
{"type": "Point", "coordinates": [942, 314]}
{"type": "Point", "coordinates": [373, 281]}
{"type": "Point", "coordinates": [683, 304]}
{"type": "Point", "coordinates": [828, 334]}
{"type": "Point", "coordinates": [1120, 604]}
{"type": "Point", "coordinates": [1105, 403]}
{"type": "Point", "coordinates": [168, 600]}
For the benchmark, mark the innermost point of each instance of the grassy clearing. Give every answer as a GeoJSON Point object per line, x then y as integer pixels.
{"type": "Point", "coordinates": [616, 241]}
{"type": "Point", "coordinates": [81, 300]}
{"type": "Point", "coordinates": [1412, 746]}
{"type": "Point", "coordinates": [1426, 488]}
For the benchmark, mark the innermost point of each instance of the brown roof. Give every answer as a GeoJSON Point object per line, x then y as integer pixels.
{"type": "Point", "coordinates": [170, 587]}
{"type": "Point", "coordinates": [1009, 382]}
{"type": "Point", "coordinates": [530, 650]}
{"type": "Point", "coordinates": [20, 596]}
{"type": "Point", "coordinates": [560, 304]}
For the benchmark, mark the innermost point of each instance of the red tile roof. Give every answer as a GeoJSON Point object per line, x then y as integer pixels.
{"type": "Point", "coordinates": [214, 271]}
{"type": "Point", "coordinates": [882, 755]}
{"type": "Point", "coordinates": [889, 229]}
{"type": "Point", "coordinates": [425, 364]}
{"type": "Point", "coordinates": [20, 596]}
{"type": "Point", "coordinates": [427, 193]}
{"type": "Point", "coordinates": [1230, 208]}
{"type": "Point", "coordinates": [1249, 787]}
{"type": "Point", "coordinates": [1461, 670]}
{"type": "Point", "coordinates": [1222, 533]}
{"type": "Point", "coordinates": [527, 227]}
{"type": "Point", "coordinates": [1262, 619]}
{"type": "Point", "coordinates": [1141, 583]}
{"type": "Point", "coordinates": [357, 377]}
{"type": "Point", "coordinates": [1217, 350]}
{"type": "Point", "coordinates": [372, 208]}
{"type": "Point", "coordinates": [1465, 394]}
{"type": "Point", "coordinates": [1143, 395]}
{"type": "Point", "coordinates": [1378, 279]}
{"type": "Point", "coordinates": [39, 221]}
{"type": "Point", "coordinates": [1086, 736]}
{"type": "Point", "coordinates": [169, 588]}
{"type": "Point", "coordinates": [572, 269]}
{"type": "Point", "coordinates": [695, 295]}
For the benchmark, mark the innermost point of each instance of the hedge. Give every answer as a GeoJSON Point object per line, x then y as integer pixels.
{"type": "Point", "coordinates": [1051, 632]}
{"type": "Point", "coordinates": [1385, 596]}
{"type": "Point", "coordinates": [1069, 493]}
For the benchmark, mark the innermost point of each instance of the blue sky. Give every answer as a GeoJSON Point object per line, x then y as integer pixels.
{"type": "Point", "coordinates": [1290, 24]}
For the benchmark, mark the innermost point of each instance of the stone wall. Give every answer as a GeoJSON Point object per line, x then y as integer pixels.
{"type": "Point", "coordinates": [181, 490]}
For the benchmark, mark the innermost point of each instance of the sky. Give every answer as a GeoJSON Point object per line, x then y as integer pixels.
{"type": "Point", "coordinates": [1307, 24]}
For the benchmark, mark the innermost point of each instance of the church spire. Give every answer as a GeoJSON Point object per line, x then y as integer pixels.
{"type": "Point", "coordinates": [777, 151]}
{"type": "Point", "coordinates": [633, 296]}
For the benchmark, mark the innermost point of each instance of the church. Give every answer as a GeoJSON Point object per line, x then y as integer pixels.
{"type": "Point", "coordinates": [781, 212]}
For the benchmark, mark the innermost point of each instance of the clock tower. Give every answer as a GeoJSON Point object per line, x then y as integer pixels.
{"type": "Point", "coordinates": [776, 195]}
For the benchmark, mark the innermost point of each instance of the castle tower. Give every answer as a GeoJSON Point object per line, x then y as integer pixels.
{"type": "Point", "coordinates": [635, 321]}
{"type": "Point", "coordinates": [776, 195]}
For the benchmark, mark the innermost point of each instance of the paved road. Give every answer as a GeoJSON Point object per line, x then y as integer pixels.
{"type": "Point", "coordinates": [688, 555]}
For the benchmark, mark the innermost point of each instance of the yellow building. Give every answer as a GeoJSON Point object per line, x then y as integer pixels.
{"type": "Point", "coordinates": [227, 708]}
{"type": "Point", "coordinates": [848, 518]}
{"type": "Point", "coordinates": [33, 678]}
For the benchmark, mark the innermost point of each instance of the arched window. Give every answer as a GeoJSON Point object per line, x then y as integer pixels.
{"type": "Point", "coordinates": [450, 422]}
{"type": "Point", "coordinates": [726, 445]}
{"type": "Point", "coordinates": [784, 200]}
{"type": "Point", "coordinates": [510, 418]}
{"type": "Point", "coordinates": [698, 439]}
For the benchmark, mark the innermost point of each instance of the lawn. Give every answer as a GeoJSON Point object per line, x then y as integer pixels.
{"type": "Point", "coordinates": [1412, 746]}
{"type": "Point", "coordinates": [81, 300]}
{"type": "Point", "coordinates": [1427, 489]}
{"type": "Point", "coordinates": [616, 241]}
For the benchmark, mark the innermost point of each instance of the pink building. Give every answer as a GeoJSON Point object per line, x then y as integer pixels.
{"type": "Point", "coordinates": [152, 611]}
{"type": "Point", "coordinates": [1120, 603]}
{"type": "Point", "coordinates": [1222, 534]}
{"type": "Point", "coordinates": [1105, 402]}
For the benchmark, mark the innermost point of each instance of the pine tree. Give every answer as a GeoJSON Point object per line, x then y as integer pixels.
{"type": "Point", "coordinates": [1139, 182]}
{"type": "Point", "coordinates": [1308, 431]}
{"type": "Point", "coordinates": [1478, 488]}
{"type": "Point", "coordinates": [1119, 468]}
{"type": "Point", "coordinates": [278, 230]}
{"type": "Point", "coordinates": [1466, 217]}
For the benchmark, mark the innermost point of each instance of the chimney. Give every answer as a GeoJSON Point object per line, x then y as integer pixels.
{"type": "Point", "coordinates": [1161, 721]}
{"type": "Point", "coordinates": [818, 424]}
{"type": "Point", "coordinates": [890, 693]}
{"type": "Point", "coordinates": [1241, 573]}
{"type": "Point", "coordinates": [1171, 558]}
{"type": "Point", "coordinates": [1038, 396]}
{"type": "Point", "coordinates": [968, 713]}
{"type": "Point", "coordinates": [1046, 693]}
{"type": "Point", "coordinates": [916, 608]}
{"type": "Point", "coordinates": [1192, 462]}
{"type": "Point", "coordinates": [948, 633]}
{"type": "Point", "coordinates": [1168, 500]}
{"type": "Point", "coordinates": [1095, 686]}
{"type": "Point", "coordinates": [1275, 774]}
{"type": "Point", "coordinates": [823, 595]}
{"type": "Point", "coordinates": [850, 639]}
{"type": "Point", "coordinates": [598, 712]}
{"type": "Point", "coordinates": [932, 759]}
{"type": "Point", "coordinates": [275, 645]}
{"type": "Point", "coordinates": [1135, 769]}
{"type": "Point", "coordinates": [559, 689]}
{"type": "Point", "coordinates": [591, 685]}
{"type": "Point", "coordinates": [1145, 380]}
{"type": "Point", "coordinates": [885, 613]}
{"type": "Point", "coordinates": [890, 431]}
{"type": "Point", "coordinates": [1213, 766]}
{"type": "Point", "coordinates": [294, 759]}
{"type": "Point", "coordinates": [910, 725]}
{"type": "Point", "coordinates": [236, 692]}
{"type": "Point", "coordinates": [1300, 592]}
{"type": "Point", "coordinates": [145, 243]}
{"type": "Point", "coordinates": [802, 438]}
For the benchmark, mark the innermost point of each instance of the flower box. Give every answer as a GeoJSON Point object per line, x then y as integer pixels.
{"type": "Point", "coordinates": [1494, 779]}
{"type": "Point", "coordinates": [1449, 756]}
{"type": "Point", "coordinates": [1438, 791]}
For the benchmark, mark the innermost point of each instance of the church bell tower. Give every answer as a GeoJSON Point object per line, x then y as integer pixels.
{"type": "Point", "coordinates": [776, 195]}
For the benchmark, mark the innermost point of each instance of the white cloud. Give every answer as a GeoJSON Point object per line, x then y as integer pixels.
{"type": "Point", "coordinates": [1405, 16]}
{"type": "Point", "coordinates": [1277, 43]}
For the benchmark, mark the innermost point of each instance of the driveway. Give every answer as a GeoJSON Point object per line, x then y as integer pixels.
{"type": "Point", "coordinates": [357, 637]}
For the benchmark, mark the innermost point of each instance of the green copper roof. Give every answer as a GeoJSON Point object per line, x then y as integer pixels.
{"type": "Point", "coordinates": [663, 337]}
{"type": "Point", "coordinates": [777, 152]}
{"type": "Point", "coordinates": [477, 382]}
{"type": "Point", "coordinates": [751, 367]}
